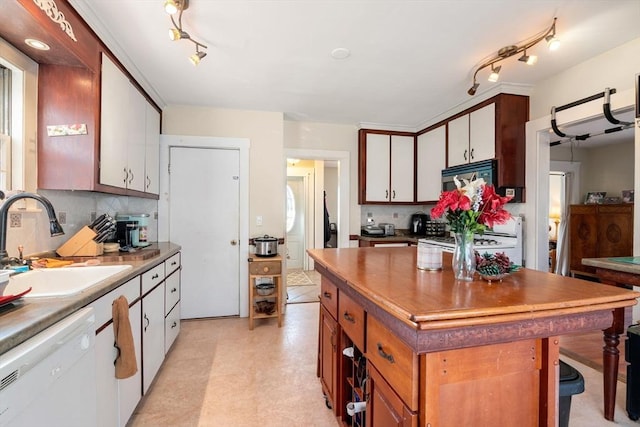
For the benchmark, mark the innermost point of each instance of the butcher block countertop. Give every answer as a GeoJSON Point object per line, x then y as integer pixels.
{"type": "Point", "coordinates": [24, 318]}
{"type": "Point", "coordinates": [424, 300]}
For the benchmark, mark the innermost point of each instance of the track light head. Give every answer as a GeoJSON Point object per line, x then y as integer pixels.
{"type": "Point", "coordinates": [553, 42]}
{"type": "Point", "coordinates": [176, 34]}
{"type": "Point", "coordinates": [528, 59]}
{"type": "Point", "coordinates": [495, 74]}
{"type": "Point", "coordinates": [175, 6]}
{"type": "Point", "coordinates": [196, 57]}
{"type": "Point", "coordinates": [473, 89]}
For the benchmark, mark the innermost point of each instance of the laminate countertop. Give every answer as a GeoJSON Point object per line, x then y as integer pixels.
{"type": "Point", "coordinates": [388, 279]}
{"type": "Point", "coordinates": [624, 264]}
{"type": "Point", "coordinates": [24, 318]}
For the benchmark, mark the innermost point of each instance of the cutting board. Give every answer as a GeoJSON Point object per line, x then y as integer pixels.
{"type": "Point", "coordinates": [139, 255]}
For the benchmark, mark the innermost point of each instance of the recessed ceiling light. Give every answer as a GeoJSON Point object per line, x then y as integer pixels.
{"type": "Point", "coordinates": [37, 44]}
{"type": "Point", "coordinates": [340, 53]}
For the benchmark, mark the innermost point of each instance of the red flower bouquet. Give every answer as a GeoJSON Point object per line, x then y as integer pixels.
{"type": "Point", "coordinates": [472, 207]}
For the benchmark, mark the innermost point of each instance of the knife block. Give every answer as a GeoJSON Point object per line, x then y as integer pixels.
{"type": "Point", "coordinates": [81, 244]}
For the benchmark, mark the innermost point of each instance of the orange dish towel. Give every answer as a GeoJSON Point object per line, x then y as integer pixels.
{"type": "Point", "coordinates": [125, 362]}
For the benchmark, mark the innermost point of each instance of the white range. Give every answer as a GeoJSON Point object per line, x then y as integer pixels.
{"type": "Point", "coordinates": [505, 238]}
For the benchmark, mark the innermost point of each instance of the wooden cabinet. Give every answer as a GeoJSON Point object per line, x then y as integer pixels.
{"type": "Point", "coordinates": [386, 167]}
{"type": "Point", "coordinates": [125, 134]}
{"type": "Point", "coordinates": [265, 289]}
{"type": "Point", "coordinates": [431, 148]}
{"type": "Point", "coordinates": [329, 338]}
{"type": "Point", "coordinates": [597, 231]}
{"type": "Point", "coordinates": [384, 407]}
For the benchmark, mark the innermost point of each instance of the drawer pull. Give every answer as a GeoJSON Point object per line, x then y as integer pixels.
{"type": "Point", "coordinates": [174, 262]}
{"type": "Point", "coordinates": [173, 290]}
{"type": "Point", "coordinates": [384, 355]}
{"type": "Point", "coordinates": [155, 276]}
{"type": "Point", "coordinates": [265, 269]}
{"type": "Point", "coordinates": [174, 324]}
{"type": "Point", "coordinates": [326, 294]}
{"type": "Point", "coordinates": [348, 317]}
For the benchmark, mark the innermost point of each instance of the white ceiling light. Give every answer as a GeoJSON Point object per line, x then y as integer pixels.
{"type": "Point", "coordinates": [340, 53]}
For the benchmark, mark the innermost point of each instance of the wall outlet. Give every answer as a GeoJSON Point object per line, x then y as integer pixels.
{"type": "Point", "coordinates": [62, 217]}
{"type": "Point", "coordinates": [15, 220]}
{"type": "Point", "coordinates": [395, 215]}
{"type": "Point", "coordinates": [259, 220]}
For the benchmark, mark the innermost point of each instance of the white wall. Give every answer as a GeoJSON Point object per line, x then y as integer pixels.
{"type": "Point", "coordinates": [265, 132]}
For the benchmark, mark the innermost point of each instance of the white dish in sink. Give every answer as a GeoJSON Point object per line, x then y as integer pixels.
{"type": "Point", "coordinates": [57, 282]}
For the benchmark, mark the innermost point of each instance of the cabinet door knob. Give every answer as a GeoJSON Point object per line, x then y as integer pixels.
{"type": "Point", "coordinates": [234, 242]}
{"type": "Point", "coordinates": [384, 355]}
{"type": "Point", "coordinates": [472, 156]}
{"type": "Point", "coordinates": [130, 173]}
{"type": "Point", "coordinates": [394, 194]}
{"type": "Point", "coordinates": [265, 269]}
{"type": "Point", "coordinates": [174, 324]}
{"type": "Point", "coordinates": [173, 290]}
{"type": "Point", "coordinates": [386, 194]}
{"type": "Point", "coordinates": [126, 176]}
{"type": "Point", "coordinates": [147, 319]}
{"type": "Point", "coordinates": [326, 294]}
{"type": "Point", "coordinates": [465, 155]}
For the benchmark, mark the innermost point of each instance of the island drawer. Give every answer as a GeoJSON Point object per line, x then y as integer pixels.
{"type": "Point", "coordinates": [351, 318]}
{"type": "Point", "coordinates": [394, 360]}
{"type": "Point", "coordinates": [329, 296]}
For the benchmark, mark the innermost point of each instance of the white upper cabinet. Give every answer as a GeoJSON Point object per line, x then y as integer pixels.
{"type": "Point", "coordinates": [378, 167]}
{"type": "Point", "coordinates": [388, 168]}
{"type": "Point", "coordinates": [152, 151]}
{"type": "Point", "coordinates": [431, 159]}
{"type": "Point", "coordinates": [482, 133]}
{"type": "Point", "coordinates": [113, 129]}
{"type": "Point", "coordinates": [458, 140]}
{"type": "Point", "coordinates": [472, 137]}
{"type": "Point", "coordinates": [402, 157]}
{"type": "Point", "coordinates": [129, 134]}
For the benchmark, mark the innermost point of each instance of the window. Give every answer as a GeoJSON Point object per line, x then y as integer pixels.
{"type": "Point", "coordinates": [5, 128]}
{"type": "Point", "coordinates": [291, 209]}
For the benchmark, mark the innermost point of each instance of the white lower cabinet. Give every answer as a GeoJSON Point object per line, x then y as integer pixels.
{"type": "Point", "coordinates": [116, 399]}
{"type": "Point", "coordinates": [155, 324]}
{"type": "Point", "coordinates": [152, 335]}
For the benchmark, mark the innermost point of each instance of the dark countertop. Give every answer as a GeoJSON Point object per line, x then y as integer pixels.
{"type": "Point", "coordinates": [26, 317]}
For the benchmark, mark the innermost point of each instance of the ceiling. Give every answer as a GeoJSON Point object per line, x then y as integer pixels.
{"type": "Point", "coordinates": [410, 61]}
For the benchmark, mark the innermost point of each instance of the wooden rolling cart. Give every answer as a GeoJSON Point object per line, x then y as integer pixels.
{"type": "Point", "coordinates": [265, 301]}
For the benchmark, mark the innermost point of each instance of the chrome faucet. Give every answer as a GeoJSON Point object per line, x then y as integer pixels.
{"type": "Point", "coordinates": [54, 226]}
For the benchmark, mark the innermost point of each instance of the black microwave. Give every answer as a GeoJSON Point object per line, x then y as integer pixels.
{"type": "Point", "coordinates": [487, 170]}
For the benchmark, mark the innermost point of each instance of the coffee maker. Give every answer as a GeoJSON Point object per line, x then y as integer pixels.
{"type": "Point", "coordinates": [418, 224]}
{"type": "Point", "coordinates": [126, 231]}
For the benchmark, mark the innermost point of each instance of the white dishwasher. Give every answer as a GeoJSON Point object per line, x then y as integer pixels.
{"type": "Point", "coordinates": [50, 378]}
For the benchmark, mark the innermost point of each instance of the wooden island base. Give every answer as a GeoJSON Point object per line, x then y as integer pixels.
{"type": "Point", "coordinates": [431, 351]}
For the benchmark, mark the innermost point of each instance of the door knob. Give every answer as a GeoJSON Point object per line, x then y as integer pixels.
{"type": "Point", "coordinates": [234, 242]}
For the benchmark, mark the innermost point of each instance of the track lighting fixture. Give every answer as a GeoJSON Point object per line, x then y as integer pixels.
{"type": "Point", "coordinates": [549, 35]}
{"type": "Point", "coordinates": [177, 33]}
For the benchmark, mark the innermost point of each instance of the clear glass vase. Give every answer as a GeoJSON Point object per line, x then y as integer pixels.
{"type": "Point", "coordinates": [464, 258]}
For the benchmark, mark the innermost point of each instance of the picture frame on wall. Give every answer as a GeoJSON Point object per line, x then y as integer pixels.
{"type": "Point", "coordinates": [627, 196]}
{"type": "Point", "coordinates": [595, 197]}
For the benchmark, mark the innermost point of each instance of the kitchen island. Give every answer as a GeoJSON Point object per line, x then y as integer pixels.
{"type": "Point", "coordinates": [447, 353]}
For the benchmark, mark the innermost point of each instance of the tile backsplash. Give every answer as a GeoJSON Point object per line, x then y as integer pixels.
{"type": "Point", "coordinates": [76, 207]}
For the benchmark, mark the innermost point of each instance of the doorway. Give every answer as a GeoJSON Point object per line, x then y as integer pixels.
{"type": "Point", "coordinates": [296, 219]}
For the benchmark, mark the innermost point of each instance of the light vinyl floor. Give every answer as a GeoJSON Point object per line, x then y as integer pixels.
{"type": "Point", "coordinates": [219, 373]}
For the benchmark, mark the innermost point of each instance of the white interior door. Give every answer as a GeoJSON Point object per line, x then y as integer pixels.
{"type": "Point", "coordinates": [296, 218]}
{"type": "Point", "coordinates": [204, 212]}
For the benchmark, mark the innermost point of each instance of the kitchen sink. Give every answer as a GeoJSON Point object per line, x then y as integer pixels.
{"type": "Point", "coordinates": [60, 282]}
